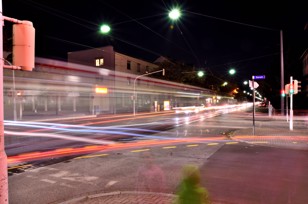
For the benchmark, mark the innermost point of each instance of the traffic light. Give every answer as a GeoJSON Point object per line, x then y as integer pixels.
{"type": "Point", "coordinates": [297, 86]}
{"type": "Point", "coordinates": [23, 45]}
{"type": "Point", "coordinates": [291, 90]}
{"type": "Point", "coordinates": [287, 89]}
{"type": "Point", "coordinates": [283, 94]}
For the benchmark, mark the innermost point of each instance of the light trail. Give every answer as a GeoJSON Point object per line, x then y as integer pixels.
{"type": "Point", "coordinates": [102, 148]}
{"type": "Point", "coordinates": [60, 136]}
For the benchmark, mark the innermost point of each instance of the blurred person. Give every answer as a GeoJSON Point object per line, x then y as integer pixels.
{"type": "Point", "coordinates": [190, 190]}
{"type": "Point", "coordinates": [150, 177]}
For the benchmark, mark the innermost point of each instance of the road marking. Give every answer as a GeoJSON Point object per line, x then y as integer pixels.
{"type": "Point", "coordinates": [259, 142]}
{"type": "Point", "coordinates": [48, 181]}
{"type": "Point", "coordinates": [140, 150]}
{"type": "Point", "coordinates": [192, 145]}
{"type": "Point", "coordinates": [169, 147]}
{"type": "Point", "coordinates": [67, 185]}
{"type": "Point", "coordinates": [17, 167]}
{"type": "Point", "coordinates": [231, 142]}
{"type": "Point", "coordinates": [210, 144]}
{"type": "Point", "coordinates": [91, 156]}
{"type": "Point", "coordinates": [111, 183]}
{"type": "Point", "coordinates": [59, 174]}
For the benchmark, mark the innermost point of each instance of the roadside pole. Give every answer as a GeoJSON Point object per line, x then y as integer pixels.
{"type": "Point", "coordinates": [4, 198]}
{"type": "Point", "coordinates": [253, 105]}
{"type": "Point", "coordinates": [287, 111]}
{"type": "Point", "coordinates": [23, 58]}
{"type": "Point", "coordinates": [291, 104]}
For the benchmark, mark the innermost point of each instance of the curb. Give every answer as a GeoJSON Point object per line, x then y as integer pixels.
{"type": "Point", "coordinates": [122, 197]}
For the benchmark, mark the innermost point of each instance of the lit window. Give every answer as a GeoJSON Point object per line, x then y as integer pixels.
{"type": "Point", "coordinates": [99, 62]}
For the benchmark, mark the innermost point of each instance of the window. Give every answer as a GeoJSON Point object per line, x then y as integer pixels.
{"type": "Point", "coordinates": [147, 69]}
{"type": "Point", "coordinates": [138, 67]}
{"type": "Point", "coordinates": [128, 64]}
{"type": "Point", "coordinates": [99, 62]}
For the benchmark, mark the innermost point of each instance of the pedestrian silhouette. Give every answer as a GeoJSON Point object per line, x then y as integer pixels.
{"type": "Point", "coordinates": [190, 190]}
{"type": "Point", "coordinates": [150, 177]}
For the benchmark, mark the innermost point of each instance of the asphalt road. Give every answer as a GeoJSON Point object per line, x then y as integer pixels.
{"type": "Point", "coordinates": [234, 169]}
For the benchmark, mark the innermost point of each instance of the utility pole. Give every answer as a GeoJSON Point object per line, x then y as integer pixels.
{"type": "Point", "coordinates": [4, 197]}
{"type": "Point", "coordinates": [291, 102]}
{"type": "Point", "coordinates": [281, 72]}
{"type": "Point", "coordinates": [253, 106]}
{"type": "Point", "coordinates": [23, 58]}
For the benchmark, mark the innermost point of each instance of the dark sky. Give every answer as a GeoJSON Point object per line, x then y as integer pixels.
{"type": "Point", "coordinates": [212, 35]}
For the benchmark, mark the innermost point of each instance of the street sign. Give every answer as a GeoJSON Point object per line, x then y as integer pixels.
{"type": "Point", "coordinates": [253, 85]}
{"type": "Point", "coordinates": [259, 77]}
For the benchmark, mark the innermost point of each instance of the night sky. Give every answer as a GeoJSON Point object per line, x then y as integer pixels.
{"type": "Point", "coordinates": [211, 35]}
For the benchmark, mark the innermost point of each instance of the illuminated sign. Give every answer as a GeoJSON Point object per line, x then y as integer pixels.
{"type": "Point", "coordinates": [101, 90]}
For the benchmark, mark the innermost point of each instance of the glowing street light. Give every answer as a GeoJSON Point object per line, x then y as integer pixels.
{"type": "Point", "coordinates": [105, 29]}
{"type": "Point", "coordinates": [200, 73]}
{"type": "Point", "coordinates": [232, 71]}
{"type": "Point", "coordinates": [175, 14]}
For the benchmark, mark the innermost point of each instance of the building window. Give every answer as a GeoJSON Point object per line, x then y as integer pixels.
{"type": "Point", "coordinates": [99, 62]}
{"type": "Point", "coordinates": [128, 64]}
{"type": "Point", "coordinates": [147, 69]}
{"type": "Point", "coordinates": [138, 67]}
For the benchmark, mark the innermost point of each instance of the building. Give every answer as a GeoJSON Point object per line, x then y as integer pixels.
{"type": "Point", "coordinates": [95, 81]}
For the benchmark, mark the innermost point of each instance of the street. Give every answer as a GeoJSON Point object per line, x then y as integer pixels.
{"type": "Point", "coordinates": [236, 166]}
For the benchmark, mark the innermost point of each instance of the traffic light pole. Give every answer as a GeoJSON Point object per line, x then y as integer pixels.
{"type": "Point", "coordinates": [4, 198]}
{"type": "Point", "coordinates": [291, 104]}
{"type": "Point", "coordinates": [23, 52]}
{"type": "Point", "coordinates": [287, 111]}
{"type": "Point", "coordinates": [253, 106]}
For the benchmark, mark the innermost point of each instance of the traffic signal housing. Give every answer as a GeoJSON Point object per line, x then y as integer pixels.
{"type": "Point", "coordinates": [23, 45]}
{"type": "Point", "coordinates": [287, 89]}
{"type": "Point", "coordinates": [297, 86]}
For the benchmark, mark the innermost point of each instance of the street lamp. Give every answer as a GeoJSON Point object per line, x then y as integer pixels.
{"type": "Point", "coordinates": [135, 93]}
{"type": "Point", "coordinates": [200, 73]}
{"type": "Point", "coordinates": [232, 71]}
{"type": "Point", "coordinates": [105, 29]}
{"type": "Point", "coordinates": [175, 14]}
